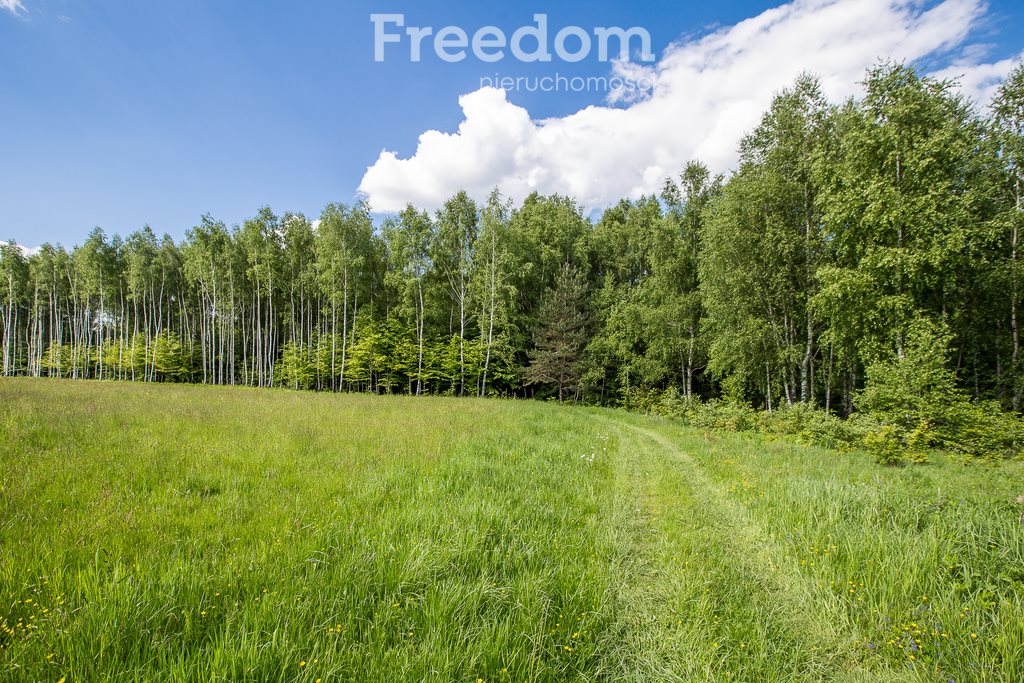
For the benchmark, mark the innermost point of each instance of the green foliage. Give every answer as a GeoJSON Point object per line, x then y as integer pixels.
{"type": "Point", "coordinates": [890, 445]}
{"type": "Point", "coordinates": [808, 425]}
{"type": "Point", "coordinates": [906, 390]}
{"type": "Point", "coordinates": [799, 282]}
{"type": "Point", "coordinates": [885, 445]}
{"type": "Point", "coordinates": [916, 397]}
{"type": "Point", "coordinates": [56, 360]}
{"type": "Point", "coordinates": [648, 305]}
{"type": "Point", "coordinates": [296, 368]}
{"type": "Point", "coordinates": [980, 430]}
{"type": "Point", "coordinates": [761, 248]}
{"type": "Point", "coordinates": [907, 205]}
{"type": "Point", "coordinates": [730, 416]}
{"type": "Point", "coordinates": [560, 335]}
{"type": "Point", "coordinates": [169, 357]}
{"type": "Point", "coordinates": [734, 389]}
{"type": "Point", "coordinates": [800, 423]}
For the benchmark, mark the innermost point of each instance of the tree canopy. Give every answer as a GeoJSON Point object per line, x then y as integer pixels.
{"type": "Point", "coordinates": [845, 230]}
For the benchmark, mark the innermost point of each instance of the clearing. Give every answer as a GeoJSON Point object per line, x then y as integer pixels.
{"type": "Point", "coordinates": [153, 532]}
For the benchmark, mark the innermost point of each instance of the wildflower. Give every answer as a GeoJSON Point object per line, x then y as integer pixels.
{"type": "Point", "coordinates": [302, 664]}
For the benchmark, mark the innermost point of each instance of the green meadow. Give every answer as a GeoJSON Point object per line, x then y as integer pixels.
{"type": "Point", "coordinates": [190, 533]}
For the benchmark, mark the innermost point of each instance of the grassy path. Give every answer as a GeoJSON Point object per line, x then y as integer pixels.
{"type": "Point", "coordinates": [741, 609]}
{"type": "Point", "coordinates": [751, 603]}
{"type": "Point", "coordinates": [197, 534]}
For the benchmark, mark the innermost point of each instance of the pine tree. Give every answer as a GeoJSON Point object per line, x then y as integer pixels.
{"type": "Point", "coordinates": [561, 334]}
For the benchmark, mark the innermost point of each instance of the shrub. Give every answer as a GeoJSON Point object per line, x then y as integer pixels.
{"type": "Point", "coordinates": [713, 414]}
{"type": "Point", "coordinates": [885, 445]}
{"type": "Point", "coordinates": [815, 426]}
{"type": "Point", "coordinates": [909, 406]}
{"type": "Point", "coordinates": [917, 396]}
{"type": "Point", "coordinates": [979, 430]}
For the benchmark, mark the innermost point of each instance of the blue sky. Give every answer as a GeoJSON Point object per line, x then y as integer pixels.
{"type": "Point", "coordinates": [119, 114]}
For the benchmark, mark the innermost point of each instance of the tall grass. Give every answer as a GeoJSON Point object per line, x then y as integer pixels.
{"type": "Point", "coordinates": [193, 533]}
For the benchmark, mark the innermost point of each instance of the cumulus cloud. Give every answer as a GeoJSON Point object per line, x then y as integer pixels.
{"type": "Point", "coordinates": [979, 81]}
{"type": "Point", "coordinates": [13, 6]}
{"type": "Point", "coordinates": [708, 91]}
{"type": "Point", "coordinates": [27, 251]}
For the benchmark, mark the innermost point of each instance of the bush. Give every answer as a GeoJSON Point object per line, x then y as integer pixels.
{"type": "Point", "coordinates": [815, 426]}
{"type": "Point", "coordinates": [714, 414]}
{"type": "Point", "coordinates": [885, 445]}
{"type": "Point", "coordinates": [727, 415]}
{"type": "Point", "coordinates": [890, 445]}
{"type": "Point", "coordinates": [909, 406]}
{"type": "Point", "coordinates": [979, 430]}
{"type": "Point", "coordinates": [917, 396]}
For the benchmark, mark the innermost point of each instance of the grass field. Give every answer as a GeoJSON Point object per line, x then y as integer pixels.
{"type": "Point", "coordinates": [192, 533]}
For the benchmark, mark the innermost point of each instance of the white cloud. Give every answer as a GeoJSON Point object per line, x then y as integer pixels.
{"type": "Point", "coordinates": [13, 6]}
{"type": "Point", "coordinates": [979, 81]}
{"type": "Point", "coordinates": [708, 92]}
{"type": "Point", "coordinates": [27, 251]}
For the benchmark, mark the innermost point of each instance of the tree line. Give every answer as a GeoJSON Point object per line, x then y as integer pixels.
{"type": "Point", "coordinates": [849, 236]}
